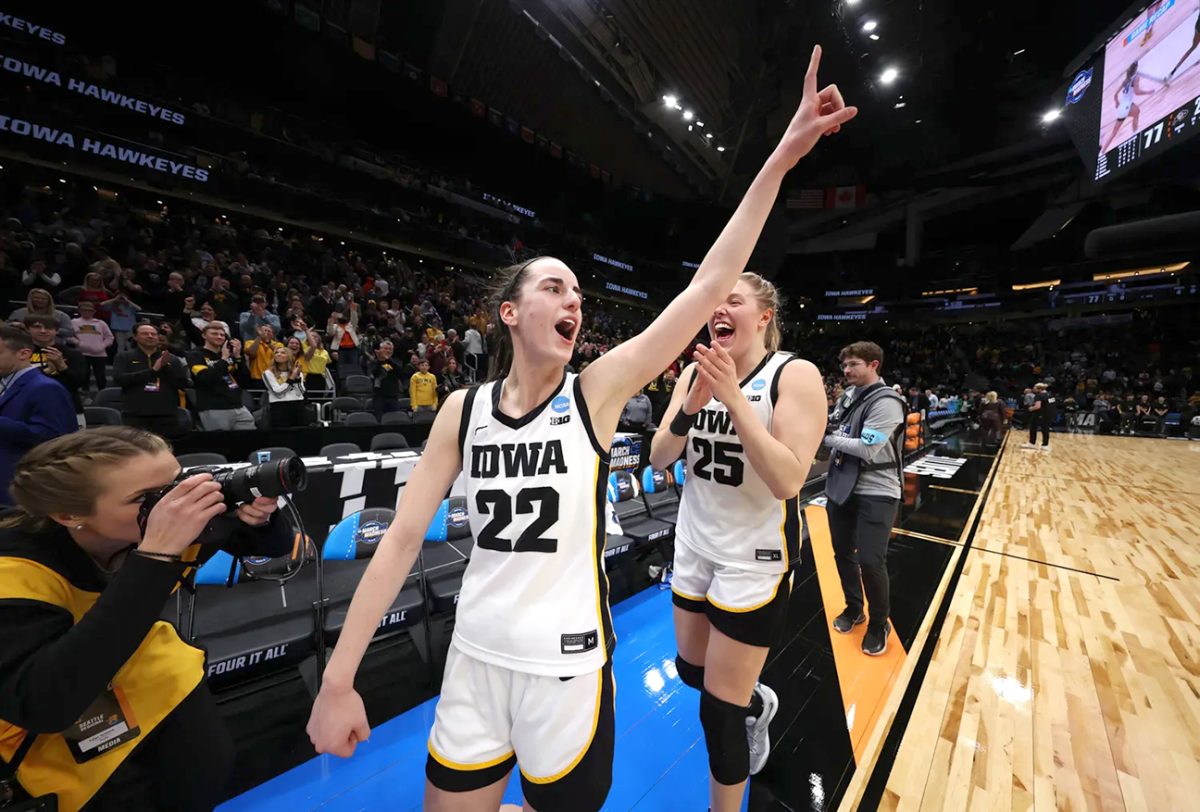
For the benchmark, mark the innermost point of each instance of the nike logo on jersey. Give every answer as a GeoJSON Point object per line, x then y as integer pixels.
{"type": "Point", "coordinates": [714, 422]}
{"type": "Point", "coordinates": [518, 459]}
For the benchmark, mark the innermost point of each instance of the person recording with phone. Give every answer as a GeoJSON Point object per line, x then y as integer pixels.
{"type": "Point", "coordinates": [102, 704]}
{"type": "Point", "coordinates": [220, 374]}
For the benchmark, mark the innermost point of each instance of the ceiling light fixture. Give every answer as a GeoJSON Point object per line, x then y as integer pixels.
{"type": "Point", "coordinates": [708, 135]}
{"type": "Point", "coordinates": [1051, 116]}
{"type": "Point", "coordinates": [900, 105]}
{"type": "Point", "coordinates": [889, 75]}
{"type": "Point", "coordinates": [720, 149]}
{"type": "Point", "coordinates": [870, 25]}
{"type": "Point", "coordinates": [875, 37]}
{"type": "Point", "coordinates": [670, 101]}
{"type": "Point", "coordinates": [688, 115]}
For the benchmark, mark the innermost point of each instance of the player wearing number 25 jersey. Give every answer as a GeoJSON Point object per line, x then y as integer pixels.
{"type": "Point", "coordinates": [730, 521]}
{"type": "Point", "coordinates": [727, 512]}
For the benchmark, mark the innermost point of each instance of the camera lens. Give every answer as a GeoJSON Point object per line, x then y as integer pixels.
{"type": "Point", "coordinates": [271, 479]}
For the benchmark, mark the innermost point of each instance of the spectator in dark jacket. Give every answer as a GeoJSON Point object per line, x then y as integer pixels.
{"type": "Point", "coordinates": [221, 376]}
{"type": "Point", "coordinates": [451, 380]}
{"type": "Point", "coordinates": [386, 374]}
{"type": "Point", "coordinates": [62, 363]}
{"type": "Point", "coordinates": [150, 381]}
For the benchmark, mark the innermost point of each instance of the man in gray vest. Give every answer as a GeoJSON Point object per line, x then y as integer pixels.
{"type": "Point", "coordinates": [866, 433]}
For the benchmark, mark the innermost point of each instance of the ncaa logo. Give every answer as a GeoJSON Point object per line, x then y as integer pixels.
{"type": "Point", "coordinates": [759, 385]}
{"type": "Point", "coordinates": [257, 560]}
{"type": "Point", "coordinates": [1079, 86]}
{"type": "Point", "coordinates": [371, 532]}
{"type": "Point", "coordinates": [560, 404]}
{"type": "Point", "coordinates": [457, 517]}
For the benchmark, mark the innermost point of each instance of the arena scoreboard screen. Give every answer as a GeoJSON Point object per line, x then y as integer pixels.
{"type": "Point", "coordinates": [1141, 94]}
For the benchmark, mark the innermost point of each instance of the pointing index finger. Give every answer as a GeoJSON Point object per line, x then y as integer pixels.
{"type": "Point", "coordinates": [810, 78]}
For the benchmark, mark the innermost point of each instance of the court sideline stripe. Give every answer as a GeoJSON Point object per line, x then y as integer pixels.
{"type": "Point", "coordinates": [900, 531]}
{"type": "Point", "coordinates": [953, 490]}
{"type": "Point", "coordinates": [866, 791]}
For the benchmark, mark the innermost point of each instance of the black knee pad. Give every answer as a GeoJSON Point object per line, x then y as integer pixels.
{"type": "Point", "coordinates": [692, 675]}
{"type": "Point", "coordinates": [725, 736]}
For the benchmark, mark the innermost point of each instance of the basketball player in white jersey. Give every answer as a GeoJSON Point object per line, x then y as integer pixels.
{"type": "Point", "coordinates": [750, 419]}
{"type": "Point", "coordinates": [528, 677]}
{"type": "Point", "coordinates": [1127, 107]}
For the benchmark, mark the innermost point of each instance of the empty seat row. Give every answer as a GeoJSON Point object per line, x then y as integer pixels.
{"type": "Point", "coordinates": [255, 616]}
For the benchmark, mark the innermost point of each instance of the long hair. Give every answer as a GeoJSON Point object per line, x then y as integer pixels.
{"type": "Point", "coordinates": [768, 297]}
{"type": "Point", "coordinates": [274, 368]}
{"type": "Point", "coordinates": [29, 308]}
{"type": "Point", "coordinates": [506, 288]}
{"type": "Point", "coordinates": [63, 475]}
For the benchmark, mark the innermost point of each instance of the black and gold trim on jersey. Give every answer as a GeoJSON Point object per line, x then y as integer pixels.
{"type": "Point", "coordinates": [465, 421]}
{"type": "Point", "coordinates": [600, 538]}
{"type": "Point", "coordinates": [790, 530]}
{"type": "Point", "coordinates": [529, 417]}
{"type": "Point", "coordinates": [586, 417]}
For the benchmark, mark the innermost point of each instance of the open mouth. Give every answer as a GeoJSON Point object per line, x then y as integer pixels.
{"type": "Point", "coordinates": [566, 329]}
{"type": "Point", "coordinates": [722, 332]}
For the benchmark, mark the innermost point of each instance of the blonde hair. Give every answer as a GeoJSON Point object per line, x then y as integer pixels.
{"type": "Point", "coordinates": [768, 298]}
{"type": "Point", "coordinates": [274, 368]}
{"type": "Point", "coordinates": [991, 397]}
{"type": "Point", "coordinates": [62, 475]}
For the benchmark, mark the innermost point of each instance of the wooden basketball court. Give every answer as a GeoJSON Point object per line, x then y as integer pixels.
{"type": "Point", "coordinates": [1066, 673]}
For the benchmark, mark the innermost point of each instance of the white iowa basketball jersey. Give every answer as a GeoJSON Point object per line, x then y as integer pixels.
{"type": "Point", "coordinates": [534, 596]}
{"type": "Point", "coordinates": [727, 512]}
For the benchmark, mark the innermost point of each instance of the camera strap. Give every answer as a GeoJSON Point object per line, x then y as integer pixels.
{"type": "Point", "coordinates": [9, 788]}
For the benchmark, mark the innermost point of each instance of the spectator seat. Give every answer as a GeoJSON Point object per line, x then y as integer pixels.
{"type": "Point", "coordinates": [339, 450]}
{"type": "Point", "coordinates": [424, 416]}
{"type": "Point", "coordinates": [270, 453]}
{"type": "Point", "coordinates": [361, 419]}
{"type": "Point", "coordinates": [110, 396]}
{"type": "Point", "coordinates": [185, 419]}
{"type": "Point", "coordinates": [397, 419]}
{"type": "Point", "coordinates": [345, 556]}
{"type": "Point", "coordinates": [631, 513]}
{"type": "Point", "coordinates": [659, 493]}
{"type": "Point", "coordinates": [358, 385]}
{"type": "Point", "coordinates": [201, 458]}
{"type": "Point", "coordinates": [101, 416]}
{"type": "Point", "coordinates": [388, 440]}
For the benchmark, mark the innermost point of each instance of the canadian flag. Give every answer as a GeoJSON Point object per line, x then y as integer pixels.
{"type": "Point", "coordinates": [845, 197]}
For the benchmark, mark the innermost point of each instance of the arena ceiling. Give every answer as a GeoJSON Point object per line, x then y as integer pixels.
{"type": "Point", "coordinates": [969, 77]}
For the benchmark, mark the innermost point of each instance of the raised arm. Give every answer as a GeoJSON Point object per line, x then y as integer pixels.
{"type": "Point", "coordinates": [338, 721]}
{"type": "Point", "coordinates": [618, 374]}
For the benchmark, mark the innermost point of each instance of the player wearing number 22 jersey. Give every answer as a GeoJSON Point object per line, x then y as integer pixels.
{"type": "Point", "coordinates": [535, 491]}
{"type": "Point", "coordinates": [528, 669]}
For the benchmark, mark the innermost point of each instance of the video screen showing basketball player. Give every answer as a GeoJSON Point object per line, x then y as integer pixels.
{"type": "Point", "coordinates": [1151, 69]}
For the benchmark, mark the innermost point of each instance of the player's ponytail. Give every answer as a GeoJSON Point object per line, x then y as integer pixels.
{"type": "Point", "coordinates": [768, 298]}
{"type": "Point", "coordinates": [507, 288]}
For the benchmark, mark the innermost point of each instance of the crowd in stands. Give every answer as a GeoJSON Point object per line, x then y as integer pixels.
{"type": "Point", "coordinates": [179, 306]}
{"type": "Point", "coordinates": [175, 298]}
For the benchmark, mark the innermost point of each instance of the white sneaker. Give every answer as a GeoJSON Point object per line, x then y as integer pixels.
{"type": "Point", "coordinates": [1028, 445]}
{"type": "Point", "coordinates": [1045, 448]}
{"type": "Point", "coordinates": [758, 730]}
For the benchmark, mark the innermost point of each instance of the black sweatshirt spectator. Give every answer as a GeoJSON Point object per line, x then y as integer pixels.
{"type": "Point", "coordinates": [450, 380]}
{"type": "Point", "coordinates": [62, 363]}
{"type": "Point", "coordinates": [150, 382]}
{"type": "Point", "coordinates": [221, 376]}
{"type": "Point", "coordinates": [385, 373]}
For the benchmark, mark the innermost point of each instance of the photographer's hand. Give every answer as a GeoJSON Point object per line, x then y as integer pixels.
{"type": "Point", "coordinates": [176, 521]}
{"type": "Point", "coordinates": [258, 512]}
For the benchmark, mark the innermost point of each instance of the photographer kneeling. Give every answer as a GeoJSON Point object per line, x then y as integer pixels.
{"type": "Point", "coordinates": [102, 703]}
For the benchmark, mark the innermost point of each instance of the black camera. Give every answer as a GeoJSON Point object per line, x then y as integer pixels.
{"type": "Point", "coordinates": [238, 486]}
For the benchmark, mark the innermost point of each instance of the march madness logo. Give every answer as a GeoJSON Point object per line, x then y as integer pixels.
{"type": "Point", "coordinates": [1079, 86]}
